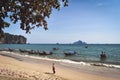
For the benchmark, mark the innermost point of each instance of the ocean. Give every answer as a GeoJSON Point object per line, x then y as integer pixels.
{"type": "Point", "coordinates": [85, 54]}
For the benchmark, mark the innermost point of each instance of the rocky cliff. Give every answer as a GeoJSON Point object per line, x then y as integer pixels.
{"type": "Point", "coordinates": [13, 39]}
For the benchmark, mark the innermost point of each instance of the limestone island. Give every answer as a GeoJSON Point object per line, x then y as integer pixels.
{"type": "Point", "coordinates": [79, 42]}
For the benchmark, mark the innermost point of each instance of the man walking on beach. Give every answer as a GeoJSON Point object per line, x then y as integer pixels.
{"type": "Point", "coordinates": [53, 68]}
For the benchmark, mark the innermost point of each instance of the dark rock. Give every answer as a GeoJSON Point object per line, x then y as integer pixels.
{"type": "Point", "coordinates": [13, 39]}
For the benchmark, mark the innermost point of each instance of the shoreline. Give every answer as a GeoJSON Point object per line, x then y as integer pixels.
{"type": "Point", "coordinates": [93, 63]}
{"type": "Point", "coordinates": [66, 70]}
{"type": "Point", "coordinates": [89, 55]}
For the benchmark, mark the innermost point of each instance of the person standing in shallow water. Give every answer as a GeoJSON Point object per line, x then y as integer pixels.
{"type": "Point", "coordinates": [53, 68]}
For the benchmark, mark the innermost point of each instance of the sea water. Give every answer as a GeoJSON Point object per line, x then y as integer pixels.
{"type": "Point", "coordinates": [86, 54]}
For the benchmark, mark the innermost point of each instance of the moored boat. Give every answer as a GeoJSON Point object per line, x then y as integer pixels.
{"type": "Point", "coordinates": [70, 53]}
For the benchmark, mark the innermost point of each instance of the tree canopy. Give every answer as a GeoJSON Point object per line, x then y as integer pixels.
{"type": "Point", "coordinates": [30, 13]}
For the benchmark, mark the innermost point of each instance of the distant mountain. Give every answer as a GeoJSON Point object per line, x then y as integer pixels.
{"type": "Point", "coordinates": [79, 42]}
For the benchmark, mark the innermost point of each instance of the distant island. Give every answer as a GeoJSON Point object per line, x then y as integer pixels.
{"type": "Point", "coordinates": [79, 42]}
{"type": "Point", "coordinates": [13, 39]}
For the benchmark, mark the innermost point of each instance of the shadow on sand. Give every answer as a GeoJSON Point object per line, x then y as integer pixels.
{"type": "Point", "coordinates": [48, 73]}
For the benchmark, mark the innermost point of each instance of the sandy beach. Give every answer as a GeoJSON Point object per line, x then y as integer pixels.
{"type": "Point", "coordinates": [17, 67]}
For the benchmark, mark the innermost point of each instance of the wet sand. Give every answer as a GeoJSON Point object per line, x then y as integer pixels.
{"type": "Point", "coordinates": [23, 67]}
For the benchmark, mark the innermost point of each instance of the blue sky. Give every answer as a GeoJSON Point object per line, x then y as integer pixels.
{"type": "Point", "coordinates": [92, 21]}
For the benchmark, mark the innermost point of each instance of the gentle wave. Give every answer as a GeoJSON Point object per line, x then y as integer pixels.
{"type": "Point", "coordinates": [77, 63]}
{"type": "Point", "coordinates": [58, 60]}
{"type": "Point", "coordinates": [69, 61]}
{"type": "Point", "coordinates": [106, 65]}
